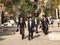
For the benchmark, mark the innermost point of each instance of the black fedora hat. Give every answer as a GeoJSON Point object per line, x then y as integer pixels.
{"type": "Point", "coordinates": [44, 15]}
{"type": "Point", "coordinates": [36, 14]}
{"type": "Point", "coordinates": [29, 17]}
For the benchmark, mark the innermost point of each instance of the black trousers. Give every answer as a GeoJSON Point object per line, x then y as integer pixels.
{"type": "Point", "coordinates": [22, 36]}
{"type": "Point", "coordinates": [30, 35]}
{"type": "Point", "coordinates": [45, 31]}
{"type": "Point", "coordinates": [22, 32]}
{"type": "Point", "coordinates": [36, 28]}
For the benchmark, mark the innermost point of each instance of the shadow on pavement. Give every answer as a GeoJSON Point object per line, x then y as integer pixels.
{"type": "Point", "coordinates": [36, 36]}
{"type": "Point", "coordinates": [40, 31]}
{"type": "Point", "coordinates": [1, 38]}
{"type": "Point", "coordinates": [3, 34]}
{"type": "Point", "coordinates": [53, 31]}
{"type": "Point", "coordinates": [48, 31]}
{"type": "Point", "coordinates": [26, 37]}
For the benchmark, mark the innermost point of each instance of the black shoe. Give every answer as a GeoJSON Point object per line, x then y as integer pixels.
{"type": "Point", "coordinates": [32, 38]}
{"type": "Point", "coordinates": [46, 33]}
{"type": "Point", "coordinates": [29, 39]}
{"type": "Point", "coordinates": [36, 32]}
{"type": "Point", "coordinates": [22, 38]}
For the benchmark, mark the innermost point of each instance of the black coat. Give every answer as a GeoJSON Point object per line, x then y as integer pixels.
{"type": "Point", "coordinates": [30, 29]}
{"type": "Point", "coordinates": [44, 24]}
{"type": "Point", "coordinates": [22, 25]}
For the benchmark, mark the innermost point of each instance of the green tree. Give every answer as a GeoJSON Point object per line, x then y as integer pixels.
{"type": "Point", "coordinates": [55, 3]}
{"type": "Point", "coordinates": [27, 6]}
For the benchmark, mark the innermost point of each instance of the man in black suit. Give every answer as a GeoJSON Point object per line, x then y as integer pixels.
{"type": "Point", "coordinates": [44, 25]}
{"type": "Point", "coordinates": [30, 28]}
{"type": "Point", "coordinates": [36, 22]}
{"type": "Point", "coordinates": [22, 25]}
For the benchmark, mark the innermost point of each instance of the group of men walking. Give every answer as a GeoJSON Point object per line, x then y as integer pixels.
{"type": "Point", "coordinates": [33, 26]}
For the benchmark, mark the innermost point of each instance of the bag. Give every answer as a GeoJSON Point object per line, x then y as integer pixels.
{"type": "Point", "coordinates": [17, 30]}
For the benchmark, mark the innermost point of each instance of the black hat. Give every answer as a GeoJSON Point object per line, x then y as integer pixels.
{"type": "Point", "coordinates": [36, 14]}
{"type": "Point", "coordinates": [29, 17]}
{"type": "Point", "coordinates": [44, 15]}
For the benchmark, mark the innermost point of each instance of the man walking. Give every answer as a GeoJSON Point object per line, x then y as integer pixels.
{"type": "Point", "coordinates": [30, 28]}
{"type": "Point", "coordinates": [45, 23]}
{"type": "Point", "coordinates": [36, 23]}
{"type": "Point", "coordinates": [22, 26]}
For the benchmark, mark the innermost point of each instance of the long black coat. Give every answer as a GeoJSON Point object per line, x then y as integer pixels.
{"type": "Point", "coordinates": [22, 25]}
{"type": "Point", "coordinates": [44, 24]}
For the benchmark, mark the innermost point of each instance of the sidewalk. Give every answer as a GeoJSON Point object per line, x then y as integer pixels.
{"type": "Point", "coordinates": [39, 39]}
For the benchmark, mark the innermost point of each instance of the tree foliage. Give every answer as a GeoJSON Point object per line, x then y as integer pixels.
{"type": "Point", "coordinates": [55, 3]}
{"type": "Point", "coordinates": [8, 3]}
{"type": "Point", "coordinates": [27, 6]}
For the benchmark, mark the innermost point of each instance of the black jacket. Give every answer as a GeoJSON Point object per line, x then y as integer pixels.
{"type": "Point", "coordinates": [30, 29]}
{"type": "Point", "coordinates": [44, 24]}
{"type": "Point", "coordinates": [22, 25]}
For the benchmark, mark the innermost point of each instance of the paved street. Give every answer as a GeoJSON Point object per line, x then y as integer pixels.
{"type": "Point", "coordinates": [39, 39]}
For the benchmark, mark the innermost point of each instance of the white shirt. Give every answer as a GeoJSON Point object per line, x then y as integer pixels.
{"type": "Point", "coordinates": [35, 21]}
{"type": "Point", "coordinates": [44, 19]}
{"type": "Point", "coordinates": [30, 23]}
